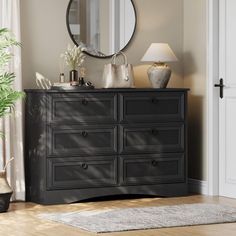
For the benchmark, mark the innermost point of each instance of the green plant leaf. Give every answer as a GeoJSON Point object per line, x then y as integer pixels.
{"type": "Point", "coordinates": [7, 101]}
{"type": "Point", "coordinates": [8, 96]}
{"type": "Point", "coordinates": [6, 81]}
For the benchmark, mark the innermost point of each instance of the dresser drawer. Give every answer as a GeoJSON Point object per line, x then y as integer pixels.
{"type": "Point", "coordinates": [152, 169]}
{"type": "Point", "coordinates": [80, 140]}
{"type": "Point", "coordinates": [152, 107]}
{"type": "Point", "coordinates": [82, 108]}
{"type": "Point", "coordinates": [68, 173]}
{"type": "Point", "coordinates": [152, 138]}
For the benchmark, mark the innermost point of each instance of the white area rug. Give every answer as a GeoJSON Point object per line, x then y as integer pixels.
{"type": "Point", "coordinates": [146, 217]}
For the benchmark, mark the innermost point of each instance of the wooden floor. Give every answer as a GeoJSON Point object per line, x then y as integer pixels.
{"type": "Point", "coordinates": [22, 220]}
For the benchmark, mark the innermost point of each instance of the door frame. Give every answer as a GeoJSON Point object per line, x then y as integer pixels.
{"type": "Point", "coordinates": [212, 96]}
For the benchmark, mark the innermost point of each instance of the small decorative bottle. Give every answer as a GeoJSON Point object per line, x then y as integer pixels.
{"type": "Point", "coordinates": [62, 68]}
{"type": "Point", "coordinates": [82, 75]}
{"type": "Point", "coordinates": [62, 78]}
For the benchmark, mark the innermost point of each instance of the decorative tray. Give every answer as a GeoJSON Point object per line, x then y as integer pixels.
{"type": "Point", "coordinates": [67, 86]}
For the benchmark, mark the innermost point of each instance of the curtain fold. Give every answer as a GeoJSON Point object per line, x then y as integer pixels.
{"type": "Point", "coordinates": [12, 126]}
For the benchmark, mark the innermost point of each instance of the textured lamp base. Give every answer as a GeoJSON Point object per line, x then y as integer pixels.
{"type": "Point", "coordinates": [159, 75]}
{"type": "Point", "coordinates": [4, 201]}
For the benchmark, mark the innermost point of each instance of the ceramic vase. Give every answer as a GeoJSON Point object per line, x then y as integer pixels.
{"type": "Point", "coordinates": [159, 75]}
{"type": "Point", "coordinates": [5, 192]}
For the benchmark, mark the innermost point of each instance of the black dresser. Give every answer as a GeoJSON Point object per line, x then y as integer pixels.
{"type": "Point", "coordinates": [85, 144]}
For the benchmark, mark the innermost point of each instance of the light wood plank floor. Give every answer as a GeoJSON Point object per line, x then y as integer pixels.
{"type": "Point", "coordinates": [22, 220]}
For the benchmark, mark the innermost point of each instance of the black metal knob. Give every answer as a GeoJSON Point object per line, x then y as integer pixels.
{"type": "Point", "coordinates": [84, 134]}
{"type": "Point", "coordinates": [154, 163]}
{"type": "Point", "coordinates": [84, 166]}
{"type": "Point", "coordinates": [154, 132]}
{"type": "Point", "coordinates": [84, 102]}
{"type": "Point", "coordinates": [154, 100]}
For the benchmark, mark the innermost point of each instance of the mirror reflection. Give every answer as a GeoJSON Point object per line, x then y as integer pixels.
{"type": "Point", "coordinates": [103, 27]}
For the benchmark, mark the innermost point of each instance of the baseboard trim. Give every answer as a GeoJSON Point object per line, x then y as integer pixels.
{"type": "Point", "coordinates": [197, 186]}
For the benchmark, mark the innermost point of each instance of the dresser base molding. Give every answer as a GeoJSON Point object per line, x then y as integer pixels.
{"type": "Point", "coordinates": [75, 195]}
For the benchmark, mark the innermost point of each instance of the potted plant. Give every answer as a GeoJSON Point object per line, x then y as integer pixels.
{"type": "Point", "coordinates": [8, 97]}
{"type": "Point", "coordinates": [74, 58]}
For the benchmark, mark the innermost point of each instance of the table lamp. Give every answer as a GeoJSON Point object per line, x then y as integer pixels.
{"type": "Point", "coordinates": [159, 73]}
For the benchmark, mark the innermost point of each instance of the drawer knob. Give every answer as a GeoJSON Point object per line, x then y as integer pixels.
{"type": "Point", "coordinates": [84, 134]}
{"type": "Point", "coordinates": [154, 163]}
{"type": "Point", "coordinates": [84, 166]}
{"type": "Point", "coordinates": [84, 102]}
{"type": "Point", "coordinates": [154, 132]}
{"type": "Point", "coordinates": [154, 101]}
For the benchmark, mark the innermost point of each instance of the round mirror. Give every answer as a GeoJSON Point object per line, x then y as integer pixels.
{"type": "Point", "coordinates": [103, 27]}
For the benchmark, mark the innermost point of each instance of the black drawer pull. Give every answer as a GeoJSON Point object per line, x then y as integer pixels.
{"type": "Point", "coordinates": [84, 102]}
{"type": "Point", "coordinates": [84, 166]}
{"type": "Point", "coordinates": [154, 101]}
{"type": "Point", "coordinates": [154, 132]}
{"type": "Point", "coordinates": [84, 134]}
{"type": "Point", "coordinates": [154, 163]}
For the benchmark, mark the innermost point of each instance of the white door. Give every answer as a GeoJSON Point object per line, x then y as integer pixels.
{"type": "Point", "coordinates": [227, 109]}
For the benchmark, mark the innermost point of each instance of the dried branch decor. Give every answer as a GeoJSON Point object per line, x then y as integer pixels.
{"type": "Point", "coordinates": [74, 57]}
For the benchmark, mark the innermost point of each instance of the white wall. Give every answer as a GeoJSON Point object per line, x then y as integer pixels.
{"type": "Point", "coordinates": [195, 75]}
{"type": "Point", "coordinates": [44, 37]}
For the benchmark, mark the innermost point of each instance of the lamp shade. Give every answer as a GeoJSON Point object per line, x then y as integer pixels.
{"type": "Point", "coordinates": [159, 52]}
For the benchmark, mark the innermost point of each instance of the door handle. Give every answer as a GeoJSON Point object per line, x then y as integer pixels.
{"type": "Point", "coordinates": [221, 86]}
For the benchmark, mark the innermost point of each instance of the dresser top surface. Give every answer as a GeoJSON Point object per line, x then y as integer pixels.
{"type": "Point", "coordinates": [129, 90]}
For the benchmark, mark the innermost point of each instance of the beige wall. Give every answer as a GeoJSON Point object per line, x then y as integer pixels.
{"type": "Point", "coordinates": [104, 27]}
{"type": "Point", "coordinates": [195, 79]}
{"type": "Point", "coordinates": [44, 37]}
{"type": "Point", "coordinates": [181, 23]}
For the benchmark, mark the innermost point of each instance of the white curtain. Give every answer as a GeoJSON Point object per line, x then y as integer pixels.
{"type": "Point", "coordinates": [12, 126]}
